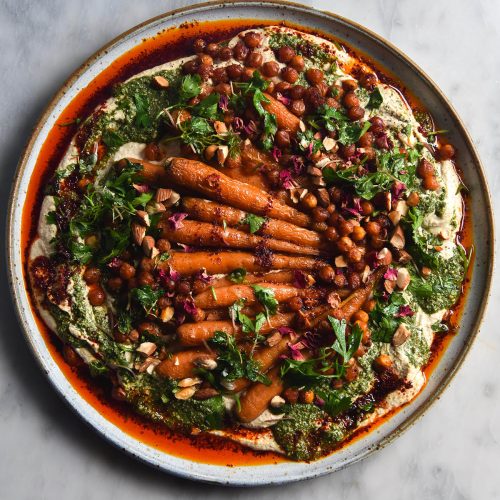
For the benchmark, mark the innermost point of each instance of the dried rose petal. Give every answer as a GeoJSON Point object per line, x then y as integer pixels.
{"type": "Point", "coordinates": [398, 188]}
{"type": "Point", "coordinates": [285, 330]}
{"type": "Point", "coordinates": [203, 276]}
{"type": "Point", "coordinates": [286, 179]}
{"type": "Point", "coordinates": [115, 263]}
{"type": "Point", "coordinates": [223, 102]}
{"type": "Point", "coordinates": [295, 351]}
{"type": "Point", "coordinates": [169, 274]}
{"type": "Point", "coordinates": [276, 153]}
{"type": "Point", "coordinates": [391, 274]}
{"type": "Point", "coordinates": [250, 128]}
{"type": "Point", "coordinates": [299, 279]}
{"type": "Point", "coordinates": [238, 123]}
{"type": "Point", "coordinates": [405, 311]}
{"type": "Point", "coordinates": [141, 188]}
{"type": "Point", "coordinates": [284, 100]}
{"type": "Point", "coordinates": [298, 165]}
{"type": "Point", "coordinates": [188, 306]}
{"type": "Point", "coordinates": [186, 248]}
{"type": "Point", "coordinates": [176, 220]}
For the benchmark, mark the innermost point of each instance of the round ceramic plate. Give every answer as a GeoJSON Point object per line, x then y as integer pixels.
{"type": "Point", "coordinates": [415, 81]}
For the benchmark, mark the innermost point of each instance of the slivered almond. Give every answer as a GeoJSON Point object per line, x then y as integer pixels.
{"type": "Point", "coordinates": [403, 279]}
{"type": "Point", "coordinates": [186, 393]}
{"type": "Point", "coordinates": [147, 348]}
{"type": "Point", "coordinates": [189, 382]}
{"type": "Point", "coordinates": [148, 243]}
{"type": "Point", "coordinates": [153, 207]}
{"type": "Point", "coordinates": [302, 126]}
{"type": "Point", "coordinates": [161, 82]}
{"type": "Point", "coordinates": [222, 153]}
{"type": "Point", "coordinates": [206, 363]}
{"type": "Point", "coordinates": [277, 402]}
{"type": "Point", "coordinates": [333, 299]}
{"type": "Point", "coordinates": [143, 217]}
{"type": "Point", "coordinates": [296, 194]}
{"type": "Point", "coordinates": [220, 127]}
{"type": "Point", "coordinates": [273, 339]}
{"type": "Point", "coordinates": [138, 233]}
{"type": "Point", "coordinates": [162, 194]}
{"type": "Point", "coordinates": [174, 198]}
{"type": "Point", "coordinates": [329, 143]}
{"type": "Point", "coordinates": [340, 261]}
{"type": "Point", "coordinates": [389, 286]}
{"type": "Point", "coordinates": [401, 335]}
{"type": "Point", "coordinates": [395, 217]}
{"type": "Point", "coordinates": [148, 365]}
{"type": "Point", "coordinates": [167, 313]}
{"type": "Point", "coordinates": [398, 238]}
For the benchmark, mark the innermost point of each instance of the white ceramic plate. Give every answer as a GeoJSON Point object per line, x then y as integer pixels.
{"type": "Point", "coordinates": [446, 118]}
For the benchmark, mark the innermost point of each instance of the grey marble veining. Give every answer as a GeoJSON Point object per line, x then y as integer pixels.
{"type": "Point", "coordinates": [46, 452]}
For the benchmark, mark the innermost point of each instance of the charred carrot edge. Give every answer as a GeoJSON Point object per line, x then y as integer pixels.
{"type": "Point", "coordinates": [205, 234]}
{"type": "Point", "coordinates": [209, 211]}
{"type": "Point", "coordinates": [257, 398]}
{"type": "Point", "coordinates": [225, 262]}
{"type": "Point", "coordinates": [192, 334]}
{"type": "Point", "coordinates": [254, 158]}
{"type": "Point", "coordinates": [182, 364]}
{"type": "Point", "coordinates": [238, 173]}
{"type": "Point", "coordinates": [285, 119]}
{"type": "Point", "coordinates": [210, 182]}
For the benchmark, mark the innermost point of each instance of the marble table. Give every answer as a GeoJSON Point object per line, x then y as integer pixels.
{"type": "Point", "coordinates": [46, 452]}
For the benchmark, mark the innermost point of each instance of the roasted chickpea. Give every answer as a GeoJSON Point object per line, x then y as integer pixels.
{"type": "Point", "coordinates": [297, 91]}
{"type": "Point", "coordinates": [282, 87]}
{"type": "Point", "coordinates": [366, 207]}
{"type": "Point", "coordinates": [240, 51]}
{"type": "Point", "coordinates": [382, 363]}
{"type": "Point", "coordinates": [340, 281]}
{"type": "Point", "coordinates": [163, 245]}
{"type": "Point", "coordinates": [326, 274]}
{"type": "Point", "coordinates": [430, 183]}
{"type": "Point", "coordinates": [147, 264]}
{"type": "Point", "coordinates": [377, 122]}
{"type": "Point", "coordinates": [307, 397]}
{"type": "Point", "coordinates": [183, 287]}
{"type": "Point", "coordinates": [145, 278]}
{"type": "Point", "coordinates": [358, 233]}
{"type": "Point", "coordinates": [254, 59]}
{"type": "Point", "coordinates": [127, 271]}
{"type": "Point", "coordinates": [354, 255]}
{"type": "Point", "coordinates": [413, 199]}
{"type": "Point", "coordinates": [285, 54]}
{"type": "Point", "coordinates": [354, 281]}
{"type": "Point", "coordinates": [199, 45]}
{"type": "Point", "coordinates": [297, 63]}
{"type": "Point", "coordinates": [149, 328]}
{"type": "Point", "coordinates": [225, 54]}
{"type": "Point", "coordinates": [319, 227]}
{"type": "Point", "coordinates": [152, 152]}
{"type": "Point", "coordinates": [355, 113]}
{"type": "Point", "coordinates": [309, 201]}
{"type": "Point", "coordinates": [320, 214]}
{"type": "Point", "coordinates": [372, 228]}
{"type": "Point", "coordinates": [313, 97]}
{"type": "Point", "coordinates": [425, 168]}
{"type": "Point", "coordinates": [115, 283]}
{"type": "Point", "coordinates": [205, 59]}
{"type": "Point", "coordinates": [205, 71]}
{"type": "Point", "coordinates": [252, 39]}
{"type": "Point", "coordinates": [349, 85]}
{"type": "Point", "coordinates": [298, 107]}
{"type": "Point", "coordinates": [314, 76]}
{"type": "Point", "coordinates": [351, 100]}
{"type": "Point", "coordinates": [446, 152]}
{"type": "Point", "coordinates": [234, 71]}
{"type": "Point", "coordinates": [212, 49]}
{"type": "Point", "coordinates": [190, 67]}
{"type": "Point", "coordinates": [282, 138]}
{"type": "Point", "coordinates": [331, 234]}
{"type": "Point", "coordinates": [96, 296]}
{"type": "Point", "coordinates": [295, 304]}
{"type": "Point", "coordinates": [290, 75]}
{"type": "Point", "coordinates": [345, 227]}
{"type": "Point", "coordinates": [348, 150]}
{"type": "Point", "coordinates": [368, 81]}
{"type": "Point", "coordinates": [270, 69]}
{"type": "Point", "coordinates": [366, 140]}
{"type": "Point", "coordinates": [219, 76]}
{"type": "Point", "coordinates": [92, 275]}
{"type": "Point", "coordinates": [344, 244]}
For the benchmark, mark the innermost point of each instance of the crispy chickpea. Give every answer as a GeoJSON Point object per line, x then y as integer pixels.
{"type": "Point", "coordinates": [219, 76]}
{"type": "Point", "coordinates": [382, 363]}
{"type": "Point", "coordinates": [254, 60]}
{"type": "Point", "coordinates": [190, 67]}
{"type": "Point", "coordinates": [366, 207]}
{"type": "Point", "coordinates": [413, 199]}
{"type": "Point", "coordinates": [282, 87]}
{"type": "Point", "coordinates": [96, 296]}
{"type": "Point", "coordinates": [366, 140]}
{"type": "Point", "coordinates": [313, 97]}
{"type": "Point", "coordinates": [335, 194]}
{"type": "Point", "coordinates": [320, 214]}
{"type": "Point", "coordinates": [377, 122]}
{"type": "Point", "coordinates": [373, 228]}
{"type": "Point", "coordinates": [234, 71]}
{"type": "Point", "coordinates": [145, 278]}
{"type": "Point", "coordinates": [344, 244]}
{"type": "Point", "coordinates": [354, 281]}
{"type": "Point", "coordinates": [319, 227]}
{"type": "Point", "coordinates": [115, 283]}
{"type": "Point", "coordinates": [148, 327]}
{"type": "Point", "coordinates": [285, 54]}
{"type": "Point", "coordinates": [205, 59]}
{"type": "Point", "coordinates": [290, 75]}
{"type": "Point", "coordinates": [331, 234]}
{"type": "Point", "coordinates": [147, 264]}
{"type": "Point", "coordinates": [368, 81]}
{"type": "Point", "coordinates": [295, 304]}
{"type": "Point", "coordinates": [163, 245]}
{"type": "Point", "coordinates": [247, 74]}
{"type": "Point", "coordinates": [349, 85]}
{"type": "Point", "coordinates": [297, 63]}
{"type": "Point", "coordinates": [205, 71]}
{"type": "Point", "coordinates": [297, 92]}
{"type": "Point", "coordinates": [92, 275]}
{"type": "Point", "coordinates": [340, 281]}
{"type": "Point", "coordinates": [314, 76]}
{"type": "Point", "coordinates": [270, 69]}
{"type": "Point", "coordinates": [354, 255]}
{"type": "Point", "coordinates": [298, 107]}
{"type": "Point", "coordinates": [326, 274]}
{"type": "Point", "coordinates": [199, 45]}
{"type": "Point", "coordinates": [446, 152]}
{"type": "Point", "coordinates": [346, 227]}
{"type": "Point", "coordinates": [358, 233]}
{"type": "Point", "coordinates": [225, 53]}
{"type": "Point", "coordinates": [183, 287]}
{"type": "Point", "coordinates": [346, 151]}
{"type": "Point", "coordinates": [282, 138]}
{"type": "Point", "coordinates": [252, 39]}
{"type": "Point", "coordinates": [334, 219]}
{"type": "Point", "coordinates": [152, 152]}
{"type": "Point", "coordinates": [355, 113]}
{"type": "Point", "coordinates": [307, 397]}
{"type": "Point", "coordinates": [291, 395]}
{"type": "Point", "coordinates": [212, 49]}
{"type": "Point", "coordinates": [240, 51]}
{"type": "Point", "coordinates": [361, 316]}
{"type": "Point", "coordinates": [127, 271]}
{"type": "Point", "coordinates": [309, 201]}
{"type": "Point", "coordinates": [425, 168]}
{"type": "Point", "coordinates": [369, 305]}
{"type": "Point", "coordinates": [351, 100]}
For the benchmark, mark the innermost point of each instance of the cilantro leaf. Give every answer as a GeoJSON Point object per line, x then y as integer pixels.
{"type": "Point", "coordinates": [238, 275]}
{"type": "Point", "coordinates": [147, 297]}
{"type": "Point", "coordinates": [254, 222]}
{"type": "Point", "coordinates": [190, 87]}
{"type": "Point", "coordinates": [266, 297]}
{"type": "Point", "coordinates": [375, 100]}
{"type": "Point", "coordinates": [142, 118]}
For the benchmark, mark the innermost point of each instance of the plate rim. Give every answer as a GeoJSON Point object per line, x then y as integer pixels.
{"type": "Point", "coordinates": [15, 289]}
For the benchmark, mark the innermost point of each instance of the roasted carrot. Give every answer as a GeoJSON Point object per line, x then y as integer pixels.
{"type": "Point", "coordinates": [271, 277]}
{"type": "Point", "coordinates": [257, 398]}
{"type": "Point", "coordinates": [253, 158]}
{"type": "Point", "coordinates": [209, 211]}
{"type": "Point", "coordinates": [210, 182]}
{"type": "Point", "coordinates": [224, 297]}
{"type": "Point", "coordinates": [266, 358]}
{"type": "Point", "coordinates": [285, 119]}
{"type": "Point", "coordinates": [253, 178]}
{"type": "Point", "coordinates": [204, 234]}
{"type": "Point", "coordinates": [192, 334]}
{"type": "Point", "coordinates": [187, 263]}
{"type": "Point", "coordinates": [182, 364]}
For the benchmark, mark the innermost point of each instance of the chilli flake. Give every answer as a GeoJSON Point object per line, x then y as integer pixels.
{"type": "Point", "coordinates": [175, 220]}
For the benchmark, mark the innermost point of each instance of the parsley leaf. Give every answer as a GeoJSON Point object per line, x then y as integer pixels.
{"type": "Point", "coordinates": [375, 100]}
{"type": "Point", "coordinates": [190, 87]}
{"type": "Point", "coordinates": [147, 297]}
{"type": "Point", "coordinates": [266, 297]}
{"type": "Point", "coordinates": [254, 222]}
{"type": "Point", "coordinates": [112, 139]}
{"type": "Point", "coordinates": [238, 275]}
{"type": "Point", "coordinates": [383, 319]}
{"type": "Point", "coordinates": [142, 118]}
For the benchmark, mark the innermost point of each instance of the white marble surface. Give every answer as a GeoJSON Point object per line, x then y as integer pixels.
{"type": "Point", "coordinates": [46, 452]}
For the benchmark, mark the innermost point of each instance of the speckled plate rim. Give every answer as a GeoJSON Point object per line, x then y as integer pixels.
{"type": "Point", "coordinates": [247, 475]}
